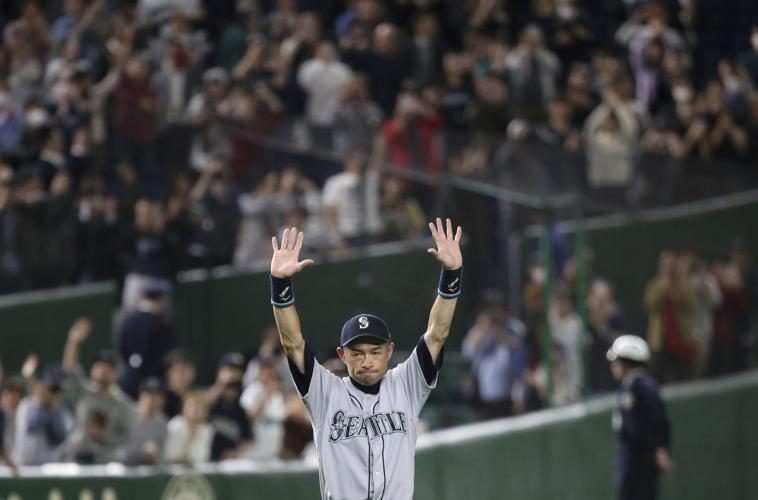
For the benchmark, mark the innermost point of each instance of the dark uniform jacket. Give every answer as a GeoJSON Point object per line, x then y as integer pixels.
{"type": "Point", "coordinates": [642, 426]}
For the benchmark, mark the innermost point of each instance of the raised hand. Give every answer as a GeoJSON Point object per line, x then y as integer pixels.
{"type": "Point", "coordinates": [448, 251]}
{"type": "Point", "coordinates": [30, 365]}
{"type": "Point", "coordinates": [285, 263]}
{"type": "Point", "coordinates": [79, 331]}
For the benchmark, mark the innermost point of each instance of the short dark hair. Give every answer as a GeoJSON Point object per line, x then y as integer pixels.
{"type": "Point", "coordinates": [176, 356]}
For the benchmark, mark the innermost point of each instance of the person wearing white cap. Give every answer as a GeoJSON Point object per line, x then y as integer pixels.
{"type": "Point", "coordinates": [640, 422]}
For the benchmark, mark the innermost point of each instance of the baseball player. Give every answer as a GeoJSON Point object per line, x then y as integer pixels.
{"type": "Point", "coordinates": [365, 425]}
{"type": "Point", "coordinates": [640, 422]}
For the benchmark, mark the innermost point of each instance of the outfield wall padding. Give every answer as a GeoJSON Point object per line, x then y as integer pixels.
{"type": "Point", "coordinates": [564, 453]}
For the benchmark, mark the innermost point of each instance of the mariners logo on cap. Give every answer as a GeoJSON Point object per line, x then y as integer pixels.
{"type": "Point", "coordinates": [363, 322]}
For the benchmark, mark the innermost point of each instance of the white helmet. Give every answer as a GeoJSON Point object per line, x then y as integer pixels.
{"type": "Point", "coordinates": [629, 347]}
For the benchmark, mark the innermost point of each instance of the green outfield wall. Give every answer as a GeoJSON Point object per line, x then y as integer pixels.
{"type": "Point", "coordinates": [564, 454]}
{"type": "Point", "coordinates": [39, 321]}
{"type": "Point", "coordinates": [625, 248]}
{"type": "Point", "coordinates": [227, 309]}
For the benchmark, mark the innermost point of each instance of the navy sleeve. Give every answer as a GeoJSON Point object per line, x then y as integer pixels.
{"type": "Point", "coordinates": [655, 430]}
{"type": "Point", "coordinates": [429, 367]}
{"type": "Point", "coordinates": [303, 380]}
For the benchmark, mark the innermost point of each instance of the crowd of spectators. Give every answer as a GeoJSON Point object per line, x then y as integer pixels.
{"type": "Point", "coordinates": [141, 405]}
{"type": "Point", "coordinates": [142, 138]}
{"type": "Point", "coordinates": [701, 323]}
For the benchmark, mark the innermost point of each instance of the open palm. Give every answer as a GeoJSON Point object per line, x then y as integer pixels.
{"type": "Point", "coordinates": [448, 251]}
{"type": "Point", "coordinates": [285, 263]}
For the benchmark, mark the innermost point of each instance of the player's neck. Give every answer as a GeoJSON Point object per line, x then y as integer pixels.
{"type": "Point", "coordinates": [368, 389]}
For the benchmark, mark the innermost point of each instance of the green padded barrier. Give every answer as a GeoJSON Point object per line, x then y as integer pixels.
{"type": "Point", "coordinates": [562, 453]}
{"type": "Point", "coordinates": [39, 322]}
{"type": "Point", "coordinates": [228, 312]}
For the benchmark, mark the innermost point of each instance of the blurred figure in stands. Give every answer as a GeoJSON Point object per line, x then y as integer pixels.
{"type": "Point", "coordinates": [489, 345]}
{"type": "Point", "coordinates": [189, 434]}
{"type": "Point", "coordinates": [147, 435]}
{"type": "Point", "coordinates": [605, 324]}
{"type": "Point", "coordinates": [180, 378]}
{"type": "Point", "coordinates": [103, 411]}
{"type": "Point", "coordinates": [41, 423]}
{"type": "Point", "coordinates": [144, 340]}
{"type": "Point", "coordinates": [670, 301]}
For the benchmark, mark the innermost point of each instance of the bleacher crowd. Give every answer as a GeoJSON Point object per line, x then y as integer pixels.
{"type": "Point", "coordinates": [153, 136]}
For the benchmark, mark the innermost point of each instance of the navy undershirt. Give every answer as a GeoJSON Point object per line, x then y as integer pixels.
{"type": "Point", "coordinates": [428, 367]}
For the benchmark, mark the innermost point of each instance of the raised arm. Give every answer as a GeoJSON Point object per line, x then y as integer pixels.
{"type": "Point", "coordinates": [448, 253]}
{"type": "Point", "coordinates": [78, 333]}
{"type": "Point", "coordinates": [284, 265]}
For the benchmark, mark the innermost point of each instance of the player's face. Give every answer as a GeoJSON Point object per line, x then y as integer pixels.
{"type": "Point", "coordinates": [366, 363]}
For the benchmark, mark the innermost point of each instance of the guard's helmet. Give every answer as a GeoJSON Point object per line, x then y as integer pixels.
{"type": "Point", "coordinates": [629, 347]}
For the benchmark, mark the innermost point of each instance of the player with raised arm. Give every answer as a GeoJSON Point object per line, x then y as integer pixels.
{"type": "Point", "coordinates": [365, 424]}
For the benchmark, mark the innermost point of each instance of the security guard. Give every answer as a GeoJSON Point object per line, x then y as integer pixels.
{"type": "Point", "coordinates": [640, 422]}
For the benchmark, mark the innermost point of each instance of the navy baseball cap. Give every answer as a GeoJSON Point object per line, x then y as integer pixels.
{"type": "Point", "coordinates": [364, 325]}
{"type": "Point", "coordinates": [234, 359]}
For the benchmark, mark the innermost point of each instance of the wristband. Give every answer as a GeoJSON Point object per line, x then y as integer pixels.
{"type": "Point", "coordinates": [450, 283]}
{"type": "Point", "coordinates": [282, 294]}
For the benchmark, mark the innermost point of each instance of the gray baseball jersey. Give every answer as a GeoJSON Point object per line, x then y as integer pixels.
{"type": "Point", "coordinates": [366, 442]}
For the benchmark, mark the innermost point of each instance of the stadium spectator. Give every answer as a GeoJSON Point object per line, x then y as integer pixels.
{"type": "Point", "coordinates": [189, 435]}
{"type": "Point", "coordinates": [323, 79]}
{"type": "Point", "coordinates": [351, 202]}
{"type": "Point", "coordinates": [669, 300]}
{"type": "Point", "coordinates": [489, 345]}
{"type": "Point", "coordinates": [412, 138]}
{"type": "Point", "coordinates": [707, 299]}
{"type": "Point", "coordinates": [298, 433]}
{"type": "Point", "coordinates": [726, 350]}
{"type": "Point", "coordinates": [147, 434]}
{"type": "Point", "coordinates": [10, 399]}
{"type": "Point", "coordinates": [264, 402]}
{"type": "Point", "coordinates": [210, 142]}
{"type": "Point", "coordinates": [386, 63]}
{"type": "Point", "coordinates": [269, 348]}
{"type": "Point", "coordinates": [232, 432]}
{"type": "Point", "coordinates": [566, 328]}
{"type": "Point", "coordinates": [41, 423]}
{"type": "Point", "coordinates": [180, 378]}
{"type": "Point", "coordinates": [534, 71]}
{"type": "Point", "coordinates": [611, 135]}
{"type": "Point", "coordinates": [357, 118]}
{"type": "Point", "coordinates": [136, 121]}
{"type": "Point", "coordinates": [605, 322]}
{"type": "Point", "coordinates": [103, 411]}
{"type": "Point", "coordinates": [401, 214]}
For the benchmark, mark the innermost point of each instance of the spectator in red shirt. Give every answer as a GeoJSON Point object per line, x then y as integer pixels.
{"type": "Point", "coordinates": [136, 118]}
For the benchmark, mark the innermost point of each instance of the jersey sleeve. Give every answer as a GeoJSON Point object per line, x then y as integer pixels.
{"type": "Point", "coordinates": [417, 375]}
{"type": "Point", "coordinates": [313, 385]}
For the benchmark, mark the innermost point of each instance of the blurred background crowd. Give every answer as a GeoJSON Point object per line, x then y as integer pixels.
{"type": "Point", "coordinates": [153, 136]}
{"type": "Point", "coordinates": [140, 139]}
